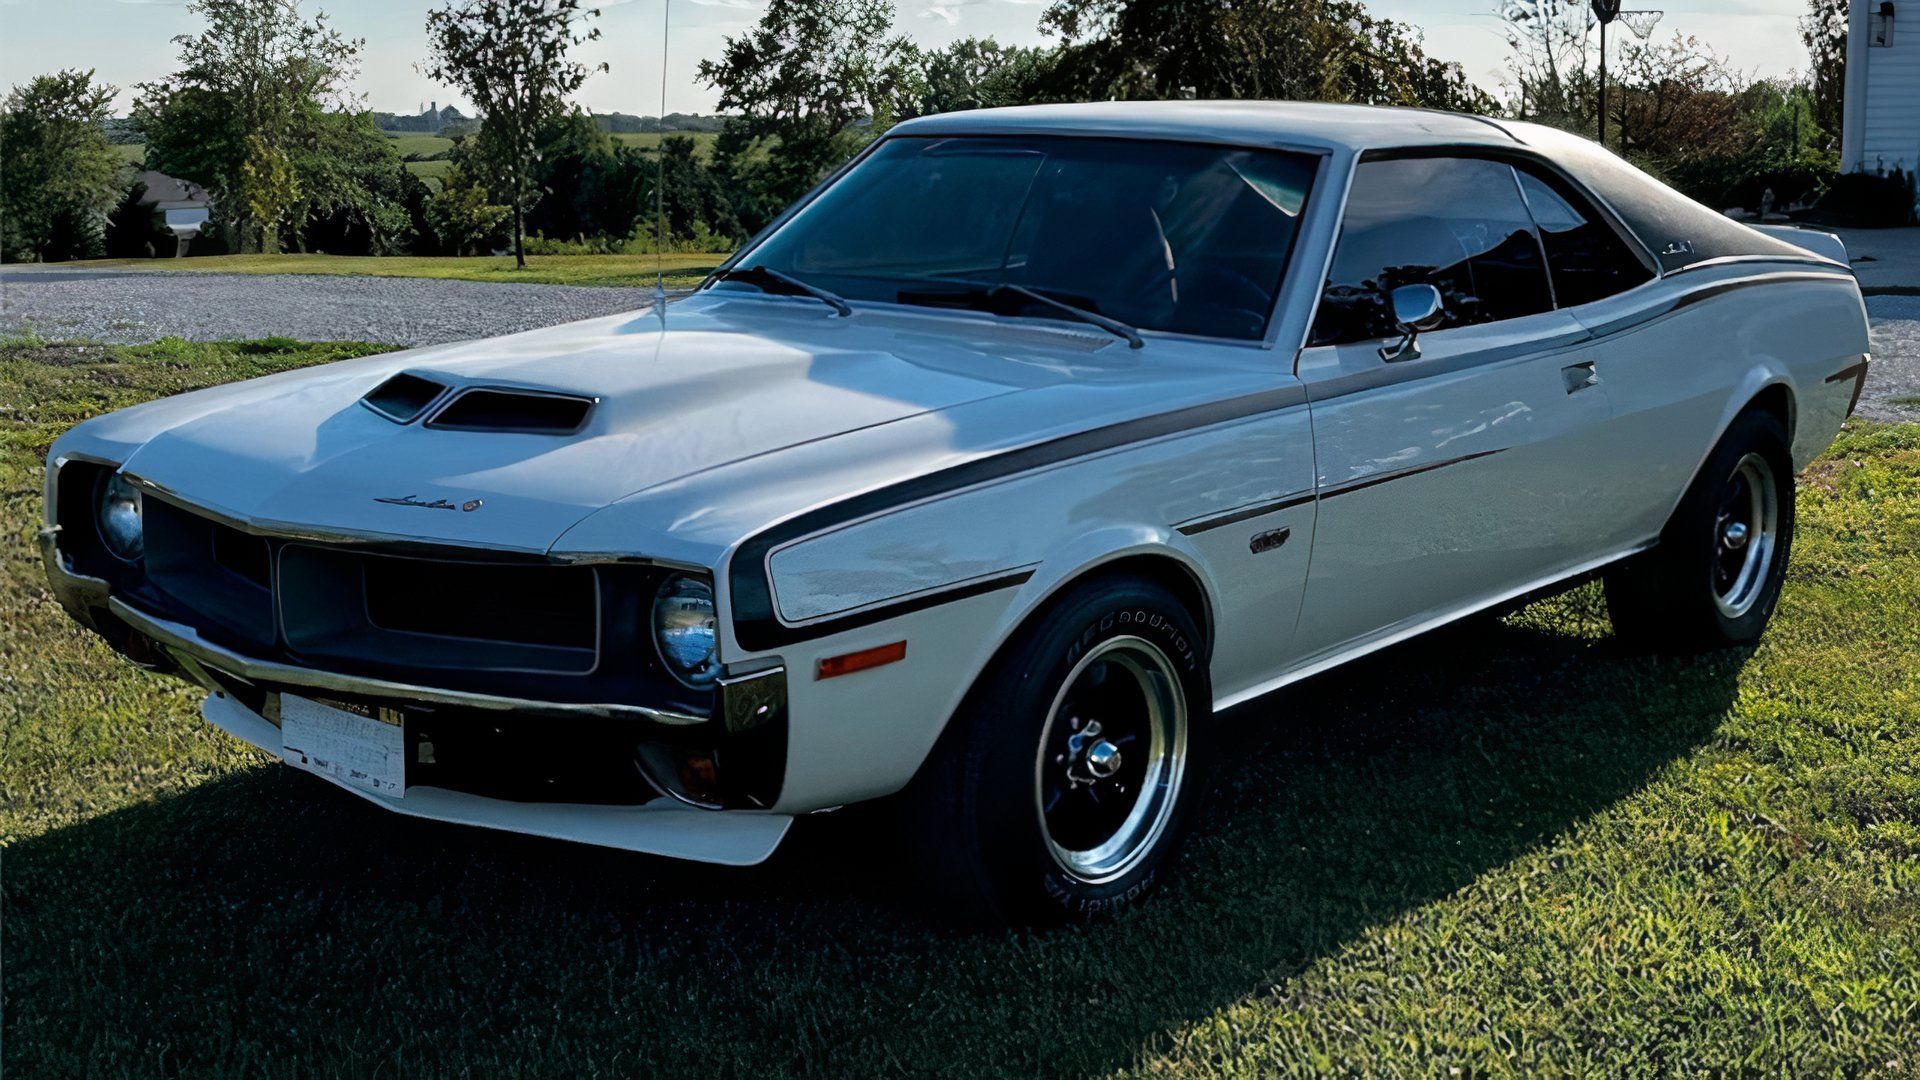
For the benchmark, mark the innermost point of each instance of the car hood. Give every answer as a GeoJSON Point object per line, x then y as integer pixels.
{"type": "Point", "coordinates": [717, 381]}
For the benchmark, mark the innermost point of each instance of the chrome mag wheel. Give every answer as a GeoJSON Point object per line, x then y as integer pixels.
{"type": "Point", "coordinates": [1112, 756]}
{"type": "Point", "coordinates": [1746, 529]}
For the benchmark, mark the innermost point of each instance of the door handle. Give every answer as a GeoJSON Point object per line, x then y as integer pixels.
{"type": "Point", "coordinates": [1580, 376]}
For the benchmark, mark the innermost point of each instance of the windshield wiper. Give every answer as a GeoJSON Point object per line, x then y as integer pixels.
{"type": "Point", "coordinates": [777, 281]}
{"type": "Point", "coordinates": [988, 291]}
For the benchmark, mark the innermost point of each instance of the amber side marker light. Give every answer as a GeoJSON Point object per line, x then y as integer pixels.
{"type": "Point", "coordinates": [848, 663]}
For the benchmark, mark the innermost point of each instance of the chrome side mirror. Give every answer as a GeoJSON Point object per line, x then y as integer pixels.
{"type": "Point", "coordinates": [1416, 308]}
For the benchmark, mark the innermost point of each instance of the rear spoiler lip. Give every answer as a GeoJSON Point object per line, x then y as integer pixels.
{"type": "Point", "coordinates": [1813, 241]}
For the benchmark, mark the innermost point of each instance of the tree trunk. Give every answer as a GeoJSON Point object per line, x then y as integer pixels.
{"type": "Point", "coordinates": [519, 237]}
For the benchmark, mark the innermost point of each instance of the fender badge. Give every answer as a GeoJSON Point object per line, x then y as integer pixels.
{"type": "Point", "coordinates": [437, 504]}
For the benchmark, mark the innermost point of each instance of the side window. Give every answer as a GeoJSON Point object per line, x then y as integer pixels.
{"type": "Point", "coordinates": [1458, 224]}
{"type": "Point", "coordinates": [1589, 260]}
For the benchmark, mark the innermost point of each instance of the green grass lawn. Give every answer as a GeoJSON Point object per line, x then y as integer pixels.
{"type": "Point", "coordinates": [682, 270]}
{"type": "Point", "coordinates": [1514, 848]}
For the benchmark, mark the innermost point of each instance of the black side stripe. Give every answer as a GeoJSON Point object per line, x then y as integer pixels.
{"type": "Point", "coordinates": [1853, 372]}
{"type": "Point", "coordinates": [1396, 374]}
{"type": "Point", "coordinates": [758, 628]}
{"type": "Point", "coordinates": [1857, 373]}
{"type": "Point", "coordinates": [1716, 289]}
{"type": "Point", "coordinates": [923, 601]}
{"type": "Point", "coordinates": [1376, 479]}
{"type": "Point", "coordinates": [1199, 525]}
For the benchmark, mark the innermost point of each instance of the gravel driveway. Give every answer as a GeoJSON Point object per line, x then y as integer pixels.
{"type": "Point", "coordinates": [138, 306]}
{"type": "Point", "coordinates": [130, 307]}
{"type": "Point", "coordinates": [1893, 382]}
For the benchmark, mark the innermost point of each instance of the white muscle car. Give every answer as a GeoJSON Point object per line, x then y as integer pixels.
{"type": "Point", "coordinates": [983, 478]}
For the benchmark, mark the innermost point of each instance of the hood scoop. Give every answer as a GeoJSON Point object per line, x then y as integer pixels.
{"type": "Point", "coordinates": [526, 412]}
{"type": "Point", "coordinates": [404, 397]}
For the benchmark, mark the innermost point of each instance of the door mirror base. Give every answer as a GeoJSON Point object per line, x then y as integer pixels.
{"type": "Point", "coordinates": [1415, 308]}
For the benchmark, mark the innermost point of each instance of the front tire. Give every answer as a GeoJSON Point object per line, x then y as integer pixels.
{"type": "Point", "coordinates": [1716, 576]}
{"type": "Point", "coordinates": [1064, 784]}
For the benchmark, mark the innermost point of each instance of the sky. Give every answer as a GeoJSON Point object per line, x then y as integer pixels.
{"type": "Point", "coordinates": [129, 41]}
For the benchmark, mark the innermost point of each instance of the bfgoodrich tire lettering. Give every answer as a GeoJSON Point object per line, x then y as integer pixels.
{"type": "Point", "coordinates": [1065, 783]}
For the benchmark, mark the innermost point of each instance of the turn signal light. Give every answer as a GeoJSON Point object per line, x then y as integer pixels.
{"type": "Point", "coordinates": [848, 663]}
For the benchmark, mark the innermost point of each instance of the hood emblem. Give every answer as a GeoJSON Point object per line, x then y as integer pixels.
{"type": "Point", "coordinates": [437, 504]}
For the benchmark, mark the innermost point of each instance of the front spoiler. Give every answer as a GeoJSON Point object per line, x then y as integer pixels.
{"type": "Point", "coordinates": [661, 827]}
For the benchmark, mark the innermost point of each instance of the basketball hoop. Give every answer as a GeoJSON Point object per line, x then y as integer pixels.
{"type": "Point", "coordinates": [1641, 22]}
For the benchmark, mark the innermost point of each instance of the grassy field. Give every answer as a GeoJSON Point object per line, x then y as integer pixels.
{"type": "Point", "coordinates": [682, 271]}
{"type": "Point", "coordinates": [430, 145]}
{"type": "Point", "coordinates": [1511, 849]}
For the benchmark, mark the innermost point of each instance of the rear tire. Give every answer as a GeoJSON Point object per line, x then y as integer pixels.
{"type": "Point", "coordinates": [1715, 577]}
{"type": "Point", "coordinates": [1064, 784]}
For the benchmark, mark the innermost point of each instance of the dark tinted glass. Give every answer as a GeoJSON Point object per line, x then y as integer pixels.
{"type": "Point", "coordinates": [1164, 236]}
{"type": "Point", "coordinates": [1457, 224]}
{"type": "Point", "coordinates": [1678, 231]}
{"type": "Point", "coordinates": [1588, 259]}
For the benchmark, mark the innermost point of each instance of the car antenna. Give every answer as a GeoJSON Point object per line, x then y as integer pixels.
{"type": "Point", "coordinates": [660, 182]}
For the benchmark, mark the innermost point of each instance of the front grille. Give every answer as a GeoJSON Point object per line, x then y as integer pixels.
{"type": "Point", "coordinates": [216, 570]}
{"type": "Point", "coordinates": [545, 606]}
{"type": "Point", "coordinates": [482, 622]}
{"type": "Point", "coordinates": [345, 605]}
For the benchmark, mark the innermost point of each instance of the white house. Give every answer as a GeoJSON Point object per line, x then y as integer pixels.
{"type": "Point", "coordinates": [182, 205]}
{"type": "Point", "coordinates": [1882, 128]}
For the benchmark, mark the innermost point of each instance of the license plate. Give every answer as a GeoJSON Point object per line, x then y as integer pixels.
{"type": "Point", "coordinates": [366, 751]}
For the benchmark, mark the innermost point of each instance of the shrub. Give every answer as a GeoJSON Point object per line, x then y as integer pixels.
{"type": "Point", "coordinates": [1868, 201]}
{"type": "Point", "coordinates": [461, 217]}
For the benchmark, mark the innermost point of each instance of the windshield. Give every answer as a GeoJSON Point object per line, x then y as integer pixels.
{"type": "Point", "coordinates": [1163, 236]}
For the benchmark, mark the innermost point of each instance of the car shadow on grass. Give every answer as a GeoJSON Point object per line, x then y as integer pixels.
{"type": "Point", "coordinates": [263, 920]}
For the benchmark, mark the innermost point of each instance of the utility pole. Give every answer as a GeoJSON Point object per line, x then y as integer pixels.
{"type": "Point", "coordinates": [1606, 11]}
{"type": "Point", "coordinates": [1603, 81]}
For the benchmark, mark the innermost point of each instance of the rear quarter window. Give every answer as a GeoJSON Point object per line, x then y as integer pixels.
{"type": "Point", "coordinates": [1678, 231]}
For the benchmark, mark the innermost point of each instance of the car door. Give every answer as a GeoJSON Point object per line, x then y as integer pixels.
{"type": "Point", "coordinates": [1448, 478]}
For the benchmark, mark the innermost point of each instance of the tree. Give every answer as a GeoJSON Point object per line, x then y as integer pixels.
{"type": "Point", "coordinates": [460, 215]}
{"type": "Point", "coordinates": [356, 193]}
{"type": "Point", "coordinates": [59, 176]}
{"type": "Point", "coordinates": [1550, 43]}
{"type": "Point", "coordinates": [819, 78]}
{"type": "Point", "coordinates": [246, 108]}
{"type": "Point", "coordinates": [696, 204]}
{"type": "Point", "coordinates": [1679, 99]}
{"type": "Point", "coordinates": [510, 58]}
{"type": "Point", "coordinates": [1824, 29]}
{"type": "Point", "coordinates": [1320, 50]}
{"type": "Point", "coordinates": [980, 73]}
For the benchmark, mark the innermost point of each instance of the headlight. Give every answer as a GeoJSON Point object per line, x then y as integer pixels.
{"type": "Point", "coordinates": [683, 628]}
{"type": "Point", "coordinates": [118, 513]}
